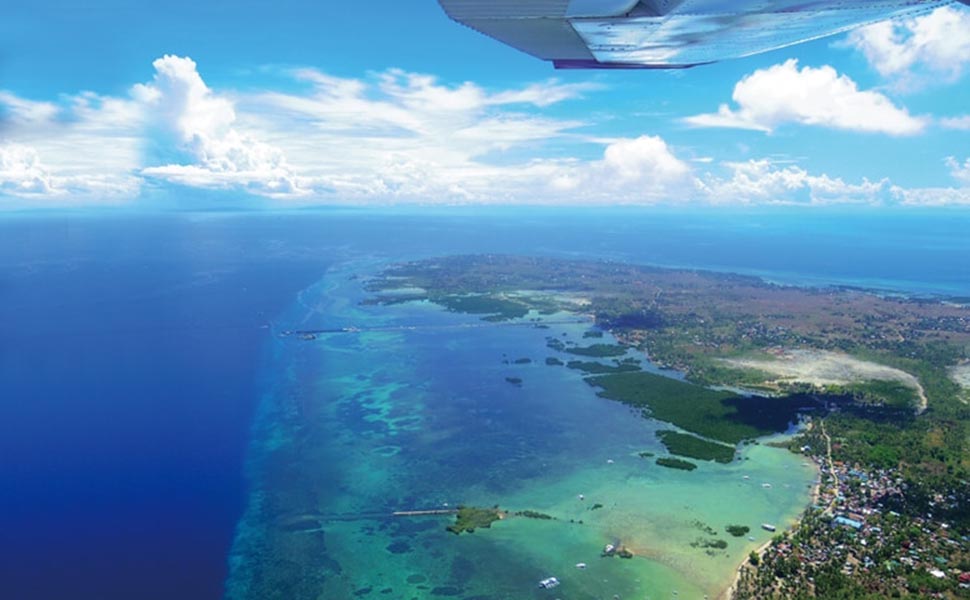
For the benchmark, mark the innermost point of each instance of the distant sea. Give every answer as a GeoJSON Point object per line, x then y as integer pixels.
{"type": "Point", "coordinates": [133, 351]}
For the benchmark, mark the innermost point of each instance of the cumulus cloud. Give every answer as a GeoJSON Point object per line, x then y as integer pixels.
{"type": "Point", "coordinates": [632, 171]}
{"type": "Point", "coordinates": [85, 146]}
{"type": "Point", "coordinates": [918, 50]}
{"type": "Point", "coordinates": [931, 197]}
{"type": "Point", "coordinates": [202, 125]}
{"type": "Point", "coordinates": [958, 195]}
{"type": "Point", "coordinates": [24, 175]}
{"type": "Point", "coordinates": [785, 93]}
{"type": "Point", "coordinates": [762, 181]}
{"type": "Point", "coordinates": [396, 136]}
{"type": "Point", "coordinates": [21, 173]}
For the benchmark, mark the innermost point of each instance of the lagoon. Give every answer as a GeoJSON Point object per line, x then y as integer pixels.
{"type": "Point", "coordinates": [359, 425]}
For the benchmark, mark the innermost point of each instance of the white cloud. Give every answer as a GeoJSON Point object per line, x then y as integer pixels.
{"type": "Point", "coordinates": [961, 123]}
{"type": "Point", "coordinates": [20, 111]}
{"type": "Point", "coordinates": [400, 136]}
{"type": "Point", "coordinates": [84, 146]}
{"type": "Point", "coordinates": [931, 197]}
{"type": "Point", "coordinates": [918, 50]}
{"type": "Point", "coordinates": [642, 170]}
{"type": "Point", "coordinates": [24, 175]}
{"type": "Point", "coordinates": [406, 137]}
{"type": "Point", "coordinates": [960, 172]}
{"type": "Point", "coordinates": [762, 181]}
{"type": "Point", "coordinates": [201, 123]}
{"type": "Point", "coordinates": [940, 196]}
{"type": "Point", "coordinates": [21, 173]}
{"type": "Point", "coordinates": [769, 98]}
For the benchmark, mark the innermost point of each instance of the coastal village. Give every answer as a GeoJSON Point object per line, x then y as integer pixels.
{"type": "Point", "coordinates": [861, 538]}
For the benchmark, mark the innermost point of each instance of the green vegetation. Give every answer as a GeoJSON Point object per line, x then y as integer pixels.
{"type": "Point", "coordinates": [646, 454]}
{"type": "Point", "coordinates": [592, 333]}
{"type": "Point", "coordinates": [556, 344]}
{"type": "Point", "coordinates": [494, 307]}
{"type": "Point", "coordinates": [514, 380]}
{"type": "Point", "coordinates": [596, 506]}
{"type": "Point", "coordinates": [522, 361]}
{"type": "Point", "coordinates": [706, 543]}
{"type": "Point", "coordinates": [691, 320]}
{"type": "Point", "coordinates": [469, 518]}
{"type": "Point", "coordinates": [722, 416]}
{"type": "Point", "coordinates": [592, 367]}
{"type": "Point", "coordinates": [552, 361]}
{"type": "Point", "coordinates": [737, 530]}
{"type": "Point", "coordinates": [691, 446]}
{"type": "Point", "coordinates": [891, 393]}
{"type": "Point", "coordinates": [676, 463]}
{"type": "Point", "coordinates": [598, 350]}
{"type": "Point", "coordinates": [532, 514]}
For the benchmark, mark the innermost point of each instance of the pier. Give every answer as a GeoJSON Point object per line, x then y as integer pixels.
{"type": "Point", "coordinates": [309, 334]}
{"type": "Point", "coordinates": [425, 513]}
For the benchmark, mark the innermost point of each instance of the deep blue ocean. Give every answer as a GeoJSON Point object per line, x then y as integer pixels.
{"type": "Point", "coordinates": [131, 349]}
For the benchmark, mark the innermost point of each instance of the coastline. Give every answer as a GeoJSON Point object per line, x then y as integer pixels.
{"type": "Point", "coordinates": [728, 593]}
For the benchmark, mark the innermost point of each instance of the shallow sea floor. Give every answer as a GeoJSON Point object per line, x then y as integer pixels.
{"type": "Point", "coordinates": [415, 411]}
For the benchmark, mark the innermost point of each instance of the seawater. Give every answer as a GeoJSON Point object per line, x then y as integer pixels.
{"type": "Point", "coordinates": [420, 415]}
{"type": "Point", "coordinates": [134, 352]}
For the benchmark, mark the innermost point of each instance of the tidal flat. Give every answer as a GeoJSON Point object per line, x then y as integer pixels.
{"type": "Point", "coordinates": [410, 409]}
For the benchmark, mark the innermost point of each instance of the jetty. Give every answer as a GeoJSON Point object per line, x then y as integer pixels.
{"type": "Point", "coordinates": [425, 513]}
{"type": "Point", "coordinates": [310, 334]}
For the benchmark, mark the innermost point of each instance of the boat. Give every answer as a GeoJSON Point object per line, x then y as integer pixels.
{"type": "Point", "coordinates": [766, 485]}
{"type": "Point", "coordinates": [548, 583]}
{"type": "Point", "coordinates": [768, 527]}
{"type": "Point", "coordinates": [609, 550]}
{"type": "Point", "coordinates": [580, 565]}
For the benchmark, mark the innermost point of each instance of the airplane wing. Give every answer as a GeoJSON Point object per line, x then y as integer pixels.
{"type": "Point", "coordinates": [667, 34]}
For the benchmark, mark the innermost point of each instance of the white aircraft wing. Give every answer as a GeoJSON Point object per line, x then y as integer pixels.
{"type": "Point", "coordinates": [667, 34]}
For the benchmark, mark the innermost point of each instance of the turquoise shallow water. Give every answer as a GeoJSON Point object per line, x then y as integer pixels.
{"type": "Point", "coordinates": [419, 415]}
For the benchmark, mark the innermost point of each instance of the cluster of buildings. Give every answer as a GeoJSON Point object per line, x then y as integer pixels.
{"type": "Point", "coordinates": [862, 533]}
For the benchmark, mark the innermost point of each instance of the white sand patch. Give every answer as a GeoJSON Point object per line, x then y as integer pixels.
{"type": "Point", "coordinates": [961, 375]}
{"type": "Point", "coordinates": [822, 368]}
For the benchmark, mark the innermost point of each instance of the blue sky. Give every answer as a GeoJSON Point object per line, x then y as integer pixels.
{"type": "Point", "coordinates": [384, 102]}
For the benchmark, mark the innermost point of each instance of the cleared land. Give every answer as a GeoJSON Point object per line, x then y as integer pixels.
{"type": "Point", "coordinates": [826, 369]}
{"type": "Point", "coordinates": [960, 375]}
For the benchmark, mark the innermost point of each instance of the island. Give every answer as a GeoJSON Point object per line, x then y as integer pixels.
{"type": "Point", "coordinates": [880, 383]}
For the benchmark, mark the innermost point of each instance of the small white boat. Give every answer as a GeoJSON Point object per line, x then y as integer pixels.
{"type": "Point", "coordinates": [766, 485]}
{"type": "Point", "coordinates": [548, 583]}
{"type": "Point", "coordinates": [768, 527]}
{"type": "Point", "coordinates": [580, 565]}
